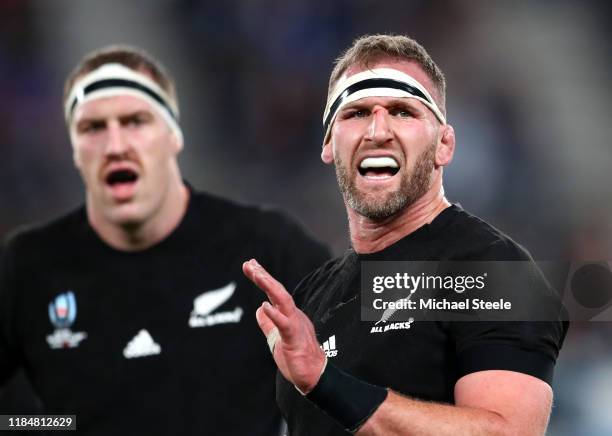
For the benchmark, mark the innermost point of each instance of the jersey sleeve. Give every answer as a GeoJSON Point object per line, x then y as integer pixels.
{"type": "Point", "coordinates": [527, 347]}
{"type": "Point", "coordinates": [531, 343]}
{"type": "Point", "coordinates": [9, 355]}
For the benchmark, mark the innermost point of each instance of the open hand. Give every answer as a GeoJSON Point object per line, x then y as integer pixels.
{"type": "Point", "coordinates": [297, 352]}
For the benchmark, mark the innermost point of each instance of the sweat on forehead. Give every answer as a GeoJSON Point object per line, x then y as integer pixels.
{"type": "Point", "coordinates": [378, 82]}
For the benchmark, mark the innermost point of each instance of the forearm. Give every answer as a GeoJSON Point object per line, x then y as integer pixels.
{"type": "Point", "coordinates": [399, 415]}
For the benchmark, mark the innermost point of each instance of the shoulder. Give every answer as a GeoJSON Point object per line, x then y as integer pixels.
{"type": "Point", "coordinates": [475, 239]}
{"type": "Point", "coordinates": [273, 237]}
{"type": "Point", "coordinates": [29, 246]}
{"type": "Point", "coordinates": [221, 209]}
{"type": "Point", "coordinates": [39, 237]}
{"type": "Point", "coordinates": [526, 347]}
{"type": "Point", "coordinates": [258, 222]}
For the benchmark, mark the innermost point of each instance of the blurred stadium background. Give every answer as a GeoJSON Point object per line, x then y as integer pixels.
{"type": "Point", "coordinates": [528, 90]}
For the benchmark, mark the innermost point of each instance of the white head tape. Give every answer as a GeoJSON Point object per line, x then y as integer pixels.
{"type": "Point", "coordinates": [379, 82]}
{"type": "Point", "coordinates": [115, 79]}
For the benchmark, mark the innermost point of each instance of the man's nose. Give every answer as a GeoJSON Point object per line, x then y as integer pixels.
{"type": "Point", "coordinates": [116, 144]}
{"type": "Point", "coordinates": [379, 130]}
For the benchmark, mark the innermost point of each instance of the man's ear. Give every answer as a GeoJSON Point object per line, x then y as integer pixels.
{"type": "Point", "coordinates": [75, 156]}
{"type": "Point", "coordinates": [75, 159]}
{"type": "Point", "coordinates": [177, 143]}
{"type": "Point", "coordinates": [446, 146]}
{"type": "Point", "coordinates": [327, 154]}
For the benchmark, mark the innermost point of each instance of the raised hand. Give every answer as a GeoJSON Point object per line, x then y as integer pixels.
{"type": "Point", "coordinates": [295, 348]}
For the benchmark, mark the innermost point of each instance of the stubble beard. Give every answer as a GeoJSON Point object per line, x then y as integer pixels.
{"type": "Point", "coordinates": [413, 186]}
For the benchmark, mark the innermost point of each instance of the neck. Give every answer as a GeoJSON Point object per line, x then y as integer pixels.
{"type": "Point", "coordinates": [368, 236]}
{"type": "Point", "coordinates": [142, 235]}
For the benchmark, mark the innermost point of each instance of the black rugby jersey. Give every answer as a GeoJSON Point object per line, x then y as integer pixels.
{"type": "Point", "coordinates": [162, 341]}
{"type": "Point", "coordinates": [422, 359]}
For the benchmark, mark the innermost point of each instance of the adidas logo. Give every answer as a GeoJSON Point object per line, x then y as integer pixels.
{"type": "Point", "coordinates": [329, 346]}
{"type": "Point", "coordinates": [141, 345]}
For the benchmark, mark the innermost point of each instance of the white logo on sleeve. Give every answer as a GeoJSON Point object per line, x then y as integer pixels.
{"type": "Point", "coordinates": [329, 346]}
{"type": "Point", "coordinates": [207, 302]}
{"type": "Point", "coordinates": [141, 345]}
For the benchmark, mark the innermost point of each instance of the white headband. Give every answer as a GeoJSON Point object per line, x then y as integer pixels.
{"type": "Point", "coordinates": [115, 79]}
{"type": "Point", "coordinates": [379, 82]}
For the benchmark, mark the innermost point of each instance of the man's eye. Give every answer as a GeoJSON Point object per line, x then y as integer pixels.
{"type": "Point", "coordinates": [134, 121]}
{"type": "Point", "coordinates": [357, 113]}
{"type": "Point", "coordinates": [402, 113]}
{"type": "Point", "coordinates": [91, 127]}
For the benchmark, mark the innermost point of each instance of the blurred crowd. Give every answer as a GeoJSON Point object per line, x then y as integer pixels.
{"type": "Point", "coordinates": [528, 86]}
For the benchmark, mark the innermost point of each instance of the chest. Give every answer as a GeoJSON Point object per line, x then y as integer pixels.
{"type": "Point", "coordinates": [416, 358]}
{"type": "Point", "coordinates": [131, 324]}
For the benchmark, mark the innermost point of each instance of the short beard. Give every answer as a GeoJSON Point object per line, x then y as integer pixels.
{"type": "Point", "coordinates": [412, 187]}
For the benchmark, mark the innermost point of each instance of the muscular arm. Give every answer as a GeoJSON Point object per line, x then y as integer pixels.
{"type": "Point", "coordinates": [486, 402]}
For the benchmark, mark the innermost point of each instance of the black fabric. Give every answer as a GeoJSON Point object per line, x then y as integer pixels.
{"type": "Point", "coordinates": [214, 379]}
{"type": "Point", "coordinates": [424, 359]}
{"type": "Point", "coordinates": [346, 399]}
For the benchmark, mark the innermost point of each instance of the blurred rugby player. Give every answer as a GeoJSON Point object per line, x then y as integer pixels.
{"type": "Point", "coordinates": [132, 311]}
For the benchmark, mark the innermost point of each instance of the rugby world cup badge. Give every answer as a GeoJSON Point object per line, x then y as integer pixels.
{"type": "Point", "coordinates": [62, 313]}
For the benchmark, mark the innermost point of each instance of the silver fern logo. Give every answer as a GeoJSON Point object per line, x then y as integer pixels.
{"type": "Point", "coordinates": [205, 304]}
{"type": "Point", "coordinates": [388, 314]}
{"type": "Point", "coordinates": [390, 311]}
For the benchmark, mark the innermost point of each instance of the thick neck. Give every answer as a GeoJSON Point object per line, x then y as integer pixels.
{"type": "Point", "coordinates": [368, 236]}
{"type": "Point", "coordinates": [136, 237]}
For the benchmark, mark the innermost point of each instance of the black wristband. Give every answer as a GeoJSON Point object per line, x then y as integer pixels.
{"type": "Point", "coordinates": [346, 399]}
